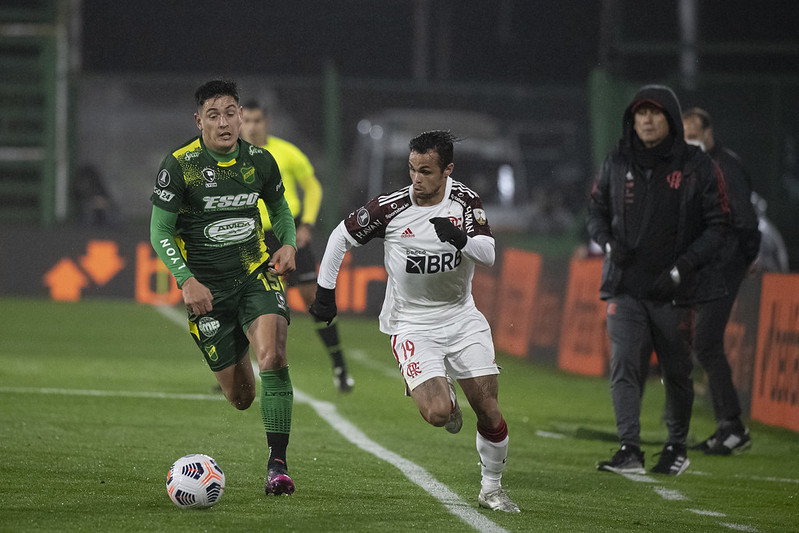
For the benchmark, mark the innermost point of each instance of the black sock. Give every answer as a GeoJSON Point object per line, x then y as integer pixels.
{"type": "Point", "coordinates": [329, 336]}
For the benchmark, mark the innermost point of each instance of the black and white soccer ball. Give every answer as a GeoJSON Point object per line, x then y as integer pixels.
{"type": "Point", "coordinates": [195, 481]}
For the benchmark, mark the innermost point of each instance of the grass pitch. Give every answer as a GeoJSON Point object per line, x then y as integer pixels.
{"type": "Point", "coordinates": [98, 398]}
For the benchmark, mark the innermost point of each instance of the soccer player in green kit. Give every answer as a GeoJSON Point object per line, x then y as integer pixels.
{"type": "Point", "coordinates": [207, 230]}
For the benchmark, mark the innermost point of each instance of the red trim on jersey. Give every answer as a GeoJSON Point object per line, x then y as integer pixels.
{"type": "Point", "coordinates": [497, 434]}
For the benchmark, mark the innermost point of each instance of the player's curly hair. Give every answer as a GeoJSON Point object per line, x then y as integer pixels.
{"type": "Point", "coordinates": [439, 141]}
{"type": "Point", "coordinates": [216, 88]}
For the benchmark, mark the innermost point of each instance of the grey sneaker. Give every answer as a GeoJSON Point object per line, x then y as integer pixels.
{"type": "Point", "coordinates": [497, 500]}
{"type": "Point", "coordinates": [627, 460]}
{"type": "Point", "coordinates": [673, 460]}
{"type": "Point", "coordinates": [455, 422]}
{"type": "Point", "coordinates": [730, 443]}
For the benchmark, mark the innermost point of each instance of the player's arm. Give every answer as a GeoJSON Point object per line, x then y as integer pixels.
{"type": "Point", "coordinates": [480, 249]}
{"type": "Point", "coordinates": [282, 261]}
{"type": "Point", "coordinates": [311, 191]}
{"type": "Point", "coordinates": [599, 207]}
{"type": "Point", "coordinates": [196, 296]}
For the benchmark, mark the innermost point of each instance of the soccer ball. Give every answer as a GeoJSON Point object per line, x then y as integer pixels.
{"type": "Point", "coordinates": [195, 481]}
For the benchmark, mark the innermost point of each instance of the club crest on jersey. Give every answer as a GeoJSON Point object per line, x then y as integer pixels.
{"type": "Point", "coordinates": [163, 178]}
{"type": "Point", "coordinates": [480, 216]}
{"type": "Point", "coordinates": [363, 217]}
{"type": "Point", "coordinates": [209, 175]}
{"type": "Point", "coordinates": [248, 173]}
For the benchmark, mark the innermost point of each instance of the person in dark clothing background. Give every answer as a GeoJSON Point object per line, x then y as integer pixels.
{"type": "Point", "coordinates": [710, 318]}
{"type": "Point", "coordinates": [659, 211]}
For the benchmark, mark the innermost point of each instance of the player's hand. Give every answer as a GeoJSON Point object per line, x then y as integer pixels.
{"type": "Point", "coordinates": [282, 261]}
{"type": "Point", "coordinates": [197, 297]}
{"type": "Point", "coordinates": [447, 232]}
{"type": "Point", "coordinates": [619, 253]}
{"type": "Point", "coordinates": [323, 307]}
{"type": "Point", "coordinates": [304, 235]}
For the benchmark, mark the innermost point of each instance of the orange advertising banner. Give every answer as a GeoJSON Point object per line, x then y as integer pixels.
{"type": "Point", "coordinates": [775, 391]}
{"type": "Point", "coordinates": [517, 293]}
{"type": "Point", "coordinates": [584, 346]}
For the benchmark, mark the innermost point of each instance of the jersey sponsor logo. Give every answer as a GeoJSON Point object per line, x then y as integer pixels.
{"type": "Point", "coordinates": [248, 173]}
{"type": "Point", "coordinates": [368, 229]}
{"type": "Point", "coordinates": [281, 300]}
{"type": "Point", "coordinates": [363, 217]}
{"type": "Point", "coordinates": [407, 233]}
{"type": "Point", "coordinates": [279, 185]}
{"type": "Point", "coordinates": [432, 264]}
{"type": "Point", "coordinates": [231, 230]}
{"type": "Point", "coordinates": [480, 217]}
{"type": "Point", "coordinates": [188, 156]}
{"type": "Point", "coordinates": [674, 179]}
{"type": "Point", "coordinates": [208, 326]}
{"type": "Point", "coordinates": [163, 178]}
{"type": "Point", "coordinates": [209, 175]}
{"type": "Point", "coordinates": [164, 195]}
{"type": "Point", "coordinates": [255, 150]}
{"type": "Point", "coordinates": [231, 200]}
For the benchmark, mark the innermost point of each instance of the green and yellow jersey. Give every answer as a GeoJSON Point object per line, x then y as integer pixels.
{"type": "Point", "coordinates": [296, 170]}
{"type": "Point", "coordinates": [206, 221]}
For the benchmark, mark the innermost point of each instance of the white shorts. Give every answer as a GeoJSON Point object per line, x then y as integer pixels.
{"type": "Point", "coordinates": [461, 350]}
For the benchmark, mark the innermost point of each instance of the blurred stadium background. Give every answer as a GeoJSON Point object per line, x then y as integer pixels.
{"type": "Point", "coordinates": [93, 94]}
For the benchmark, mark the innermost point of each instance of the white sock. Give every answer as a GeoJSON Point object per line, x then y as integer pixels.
{"type": "Point", "coordinates": [492, 461]}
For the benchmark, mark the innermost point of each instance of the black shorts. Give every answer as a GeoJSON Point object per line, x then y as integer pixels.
{"type": "Point", "coordinates": [222, 334]}
{"type": "Point", "coordinates": [305, 262]}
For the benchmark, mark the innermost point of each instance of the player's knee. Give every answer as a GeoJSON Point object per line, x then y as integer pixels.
{"type": "Point", "coordinates": [436, 415]}
{"type": "Point", "coordinates": [271, 358]}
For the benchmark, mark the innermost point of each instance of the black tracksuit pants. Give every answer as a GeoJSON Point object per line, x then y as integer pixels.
{"type": "Point", "coordinates": [710, 321]}
{"type": "Point", "coordinates": [636, 327]}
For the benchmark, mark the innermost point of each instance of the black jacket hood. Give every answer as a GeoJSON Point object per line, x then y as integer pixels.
{"type": "Point", "coordinates": [664, 98]}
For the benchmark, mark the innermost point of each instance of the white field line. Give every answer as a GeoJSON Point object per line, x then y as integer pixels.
{"type": "Point", "coordinates": [363, 358]}
{"type": "Point", "coordinates": [707, 513]}
{"type": "Point", "coordinates": [415, 473]}
{"type": "Point", "coordinates": [739, 527]}
{"type": "Point", "coordinates": [670, 494]}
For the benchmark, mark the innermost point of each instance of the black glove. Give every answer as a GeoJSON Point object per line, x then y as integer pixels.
{"type": "Point", "coordinates": [619, 253]}
{"type": "Point", "coordinates": [447, 232]}
{"type": "Point", "coordinates": [665, 286]}
{"type": "Point", "coordinates": [323, 308]}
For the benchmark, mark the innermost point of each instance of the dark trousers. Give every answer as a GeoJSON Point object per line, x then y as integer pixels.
{"type": "Point", "coordinates": [710, 321]}
{"type": "Point", "coordinates": [636, 327]}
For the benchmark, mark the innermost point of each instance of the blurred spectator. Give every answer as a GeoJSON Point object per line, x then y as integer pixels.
{"type": "Point", "coordinates": [93, 202]}
{"type": "Point", "coordinates": [773, 255]}
{"type": "Point", "coordinates": [710, 317]}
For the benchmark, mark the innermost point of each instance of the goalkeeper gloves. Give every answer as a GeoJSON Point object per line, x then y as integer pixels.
{"type": "Point", "coordinates": [447, 232]}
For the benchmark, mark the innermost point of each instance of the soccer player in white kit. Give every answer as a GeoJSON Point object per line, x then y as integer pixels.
{"type": "Point", "coordinates": [434, 232]}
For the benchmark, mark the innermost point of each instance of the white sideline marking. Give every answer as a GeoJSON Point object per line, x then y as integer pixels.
{"type": "Point", "coordinates": [640, 478]}
{"type": "Point", "coordinates": [415, 473]}
{"type": "Point", "coordinates": [670, 494]}
{"type": "Point", "coordinates": [739, 527]}
{"type": "Point", "coordinates": [112, 393]}
{"type": "Point", "coordinates": [707, 513]}
{"type": "Point", "coordinates": [549, 434]}
{"type": "Point", "coordinates": [362, 357]}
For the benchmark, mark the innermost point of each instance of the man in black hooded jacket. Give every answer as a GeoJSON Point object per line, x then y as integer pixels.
{"type": "Point", "coordinates": [659, 210]}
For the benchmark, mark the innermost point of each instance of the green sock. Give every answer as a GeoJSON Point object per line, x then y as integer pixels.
{"type": "Point", "coordinates": [277, 398]}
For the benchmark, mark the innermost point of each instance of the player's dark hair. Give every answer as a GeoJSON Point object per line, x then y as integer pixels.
{"type": "Point", "coordinates": [701, 114]}
{"type": "Point", "coordinates": [439, 141]}
{"type": "Point", "coordinates": [214, 89]}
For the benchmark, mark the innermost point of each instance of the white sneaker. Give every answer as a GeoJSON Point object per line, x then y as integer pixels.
{"type": "Point", "coordinates": [455, 422]}
{"type": "Point", "coordinates": [497, 500]}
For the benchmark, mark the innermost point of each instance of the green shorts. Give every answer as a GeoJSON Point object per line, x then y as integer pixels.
{"type": "Point", "coordinates": [221, 334]}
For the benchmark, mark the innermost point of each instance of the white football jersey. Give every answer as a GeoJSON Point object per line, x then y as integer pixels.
{"type": "Point", "coordinates": [429, 281]}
